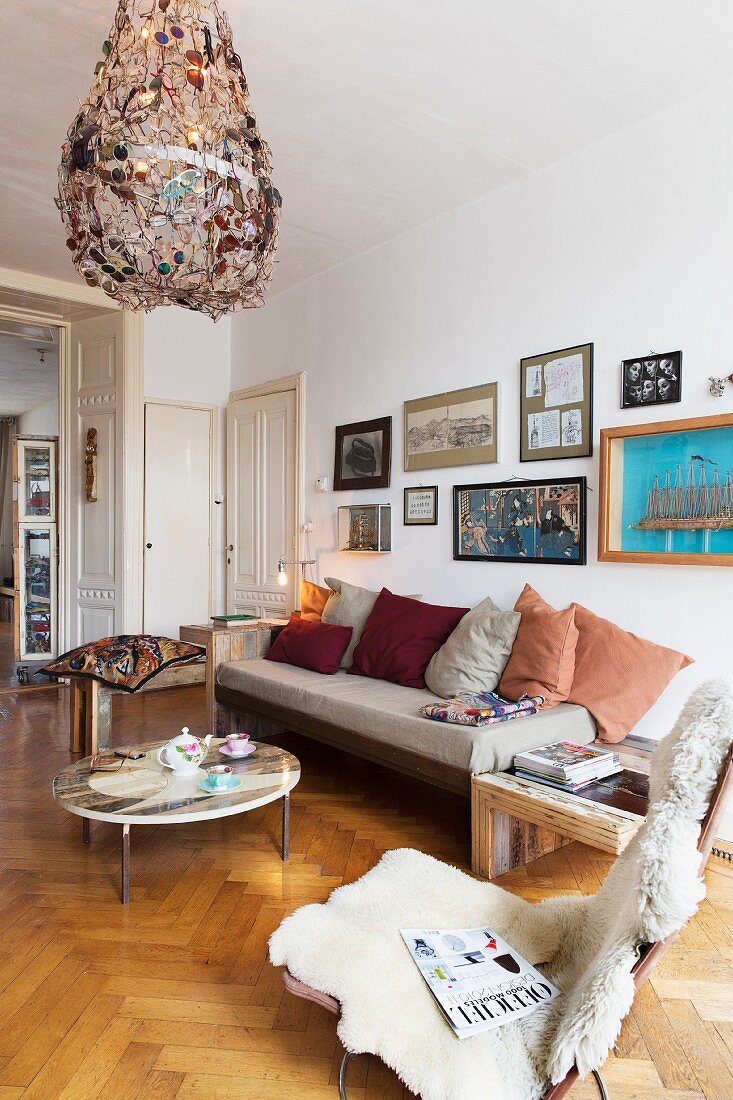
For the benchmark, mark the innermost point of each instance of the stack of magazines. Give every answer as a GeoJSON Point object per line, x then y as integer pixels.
{"type": "Point", "coordinates": [567, 766]}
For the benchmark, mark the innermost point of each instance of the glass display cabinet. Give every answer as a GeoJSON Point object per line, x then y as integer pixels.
{"type": "Point", "coordinates": [35, 546]}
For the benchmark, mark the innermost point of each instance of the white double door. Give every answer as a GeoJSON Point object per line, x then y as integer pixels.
{"type": "Point", "coordinates": [261, 502]}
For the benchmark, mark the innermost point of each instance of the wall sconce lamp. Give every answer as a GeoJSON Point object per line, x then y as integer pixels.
{"type": "Point", "coordinates": [282, 576]}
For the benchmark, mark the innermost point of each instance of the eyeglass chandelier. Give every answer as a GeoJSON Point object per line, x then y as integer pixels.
{"type": "Point", "coordinates": [164, 183]}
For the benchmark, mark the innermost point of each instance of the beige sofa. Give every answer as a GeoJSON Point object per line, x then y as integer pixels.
{"type": "Point", "coordinates": [380, 721]}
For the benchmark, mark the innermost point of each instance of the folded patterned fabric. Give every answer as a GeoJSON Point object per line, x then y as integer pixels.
{"type": "Point", "coordinates": [483, 709]}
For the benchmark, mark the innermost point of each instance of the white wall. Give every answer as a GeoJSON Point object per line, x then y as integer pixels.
{"type": "Point", "coordinates": [41, 421]}
{"type": "Point", "coordinates": [628, 244]}
{"type": "Point", "coordinates": [188, 358]}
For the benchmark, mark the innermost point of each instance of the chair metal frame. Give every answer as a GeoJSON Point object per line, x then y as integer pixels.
{"type": "Point", "coordinates": [649, 954]}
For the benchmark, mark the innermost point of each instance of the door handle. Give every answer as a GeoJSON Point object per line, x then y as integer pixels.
{"type": "Point", "coordinates": [149, 545]}
{"type": "Point", "coordinates": [230, 547]}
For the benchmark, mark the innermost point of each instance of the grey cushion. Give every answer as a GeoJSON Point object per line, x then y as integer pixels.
{"type": "Point", "coordinates": [349, 605]}
{"type": "Point", "coordinates": [389, 713]}
{"type": "Point", "coordinates": [474, 656]}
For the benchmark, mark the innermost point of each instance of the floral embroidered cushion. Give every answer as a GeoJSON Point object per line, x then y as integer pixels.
{"type": "Point", "coordinates": [126, 661]}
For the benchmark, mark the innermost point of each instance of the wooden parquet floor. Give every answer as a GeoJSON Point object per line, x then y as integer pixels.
{"type": "Point", "coordinates": [173, 996]}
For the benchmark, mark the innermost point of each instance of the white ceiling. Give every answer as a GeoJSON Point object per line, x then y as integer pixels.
{"type": "Point", "coordinates": [381, 114]}
{"type": "Point", "coordinates": [25, 382]}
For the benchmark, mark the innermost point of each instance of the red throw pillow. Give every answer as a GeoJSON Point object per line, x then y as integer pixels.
{"type": "Point", "coordinates": [314, 645]}
{"type": "Point", "coordinates": [618, 677]}
{"type": "Point", "coordinates": [400, 637]}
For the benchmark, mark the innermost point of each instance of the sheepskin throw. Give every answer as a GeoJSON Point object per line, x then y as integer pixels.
{"type": "Point", "coordinates": [351, 948]}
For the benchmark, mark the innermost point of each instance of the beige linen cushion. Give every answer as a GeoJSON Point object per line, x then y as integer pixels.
{"type": "Point", "coordinates": [474, 656]}
{"type": "Point", "coordinates": [350, 605]}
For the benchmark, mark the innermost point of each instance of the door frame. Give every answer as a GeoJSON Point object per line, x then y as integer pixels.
{"type": "Point", "coordinates": [64, 299]}
{"type": "Point", "coordinates": [296, 383]}
{"type": "Point", "coordinates": [213, 411]}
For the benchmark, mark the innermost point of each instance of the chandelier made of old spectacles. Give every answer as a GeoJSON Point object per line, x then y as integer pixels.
{"type": "Point", "coordinates": [164, 183]}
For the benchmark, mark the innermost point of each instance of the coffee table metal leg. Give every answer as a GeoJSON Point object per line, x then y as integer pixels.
{"type": "Point", "coordinates": [286, 828]}
{"type": "Point", "coordinates": [125, 877]}
{"type": "Point", "coordinates": [85, 829]}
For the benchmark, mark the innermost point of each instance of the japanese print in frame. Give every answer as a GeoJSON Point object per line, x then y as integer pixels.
{"type": "Point", "coordinates": [542, 521]}
{"type": "Point", "coordinates": [451, 429]}
{"type": "Point", "coordinates": [666, 492]}
{"type": "Point", "coordinates": [556, 404]}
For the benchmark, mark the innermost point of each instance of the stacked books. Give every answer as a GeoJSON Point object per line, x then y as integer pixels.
{"type": "Point", "coordinates": [567, 766]}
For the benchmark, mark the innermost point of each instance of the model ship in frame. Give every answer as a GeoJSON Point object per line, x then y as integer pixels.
{"type": "Point", "coordinates": [667, 492]}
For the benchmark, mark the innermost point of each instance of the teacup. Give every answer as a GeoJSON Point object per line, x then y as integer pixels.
{"type": "Point", "coordinates": [237, 742]}
{"type": "Point", "coordinates": [218, 776]}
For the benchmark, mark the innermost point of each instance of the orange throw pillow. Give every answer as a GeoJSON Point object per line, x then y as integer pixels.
{"type": "Point", "coordinates": [312, 600]}
{"type": "Point", "coordinates": [542, 660]}
{"type": "Point", "coordinates": [619, 677]}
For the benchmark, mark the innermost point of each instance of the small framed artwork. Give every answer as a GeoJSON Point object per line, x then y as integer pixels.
{"type": "Point", "coordinates": [365, 528]}
{"type": "Point", "coordinates": [651, 380]}
{"type": "Point", "coordinates": [451, 429]}
{"type": "Point", "coordinates": [556, 404]}
{"type": "Point", "coordinates": [363, 454]}
{"type": "Point", "coordinates": [666, 492]}
{"type": "Point", "coordinates": [421, 506]}
{"type": "Point", "coordinates": [525, 521]}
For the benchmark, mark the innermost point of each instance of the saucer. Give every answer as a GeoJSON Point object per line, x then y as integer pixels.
{"type": "Point", "coordinates": [232, 785]}
{"type": "Point", "coordinates": [226, 751]}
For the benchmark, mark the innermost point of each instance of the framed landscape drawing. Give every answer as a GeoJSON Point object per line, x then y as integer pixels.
{"type": "Point", "coordinates": [451, 429]}
{"type": "Point", "coordinates": [363, 454]}
{"type": "Point", "coordinates": [525, 521]}
{"type": "Point", "coordinates": [666, 492]}
{"type": "Point", "coordinates": [556, 403]}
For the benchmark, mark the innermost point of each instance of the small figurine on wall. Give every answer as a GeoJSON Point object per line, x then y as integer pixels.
{"type": "Point", "coordinates": [717, 385]}
{"type": "Point", "coordinates": [90, 465]}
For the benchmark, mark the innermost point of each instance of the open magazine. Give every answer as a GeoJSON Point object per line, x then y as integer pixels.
{"type": "Point", "coordinates": [479, 981]}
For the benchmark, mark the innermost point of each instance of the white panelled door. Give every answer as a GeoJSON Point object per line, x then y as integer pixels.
{"type": "Point", "coordinates": [261, 502]}
{"type": "Point", "coordinates": [179, 485]}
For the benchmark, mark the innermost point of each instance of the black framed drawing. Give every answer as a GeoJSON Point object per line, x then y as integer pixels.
{"type": "Point", "coordinates": [542, 521]}
{"type": "Point", "coordinates": [651, 380]}
{"type": "Point", "coordinates": [363, 454]}
{"type": "Point", "coordinates": [421, 506]}
{"type": "Point", "coordinates": [556, 404]}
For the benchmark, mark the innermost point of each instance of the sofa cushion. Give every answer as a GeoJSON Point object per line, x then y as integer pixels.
{"type": "Point", "coordinates": [315, 645]}
{"type": "Point", "coordinates": [400, 636]}
{"type": "Point", "coordinates": [349, 605]}
{"type": "Point", "coordinates": [543, 655]}
{"type": "Point", "coordinates": [388, 713]}
{"type": "Point", "coordinates": [474, 656]}
{"type": "Point", "coordinates": [313, 599]}
{"type": "Point", "coordinates": [618, 676]}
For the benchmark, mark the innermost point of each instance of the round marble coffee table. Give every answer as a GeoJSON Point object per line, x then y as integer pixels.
{"type": "Point", "coordinates": [143, 792]}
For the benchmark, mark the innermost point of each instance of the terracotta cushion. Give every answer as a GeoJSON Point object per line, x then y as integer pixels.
{"type": "Point", "coordinates": [618, 676]}
{"type": "Point", "coordinates": [542, 660]}
{"type": "Point", "coordinates": [400, 637]}
{"type": "Point", "coordinates": [317, 646]}
{"type": "Point", "coordinates": [312, 600]}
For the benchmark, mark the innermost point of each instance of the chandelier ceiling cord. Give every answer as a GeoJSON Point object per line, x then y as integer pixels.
{"type": "Point", "coordinates": [164, 182]}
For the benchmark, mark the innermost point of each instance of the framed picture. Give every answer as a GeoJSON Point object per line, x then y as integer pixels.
{"type": "Point", "coordinates": [421, 506]}
{"type": "Point", "coordinates": [365, 528]}
{"type": "Point", "coordinates": [363, 454]}
{"type": "Point", "coordinates": [451, 429]}
{"type": "Point", "coordinates": [525, 521]}
{"type": "Point", "coordinates": [651, 380]}
{"type": "Point", "coordinates": [666, 492]}
{"type": "Point", "coordinates": [556, 404]}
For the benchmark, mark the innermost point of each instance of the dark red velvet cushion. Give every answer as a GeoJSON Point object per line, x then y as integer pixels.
{"type": "Point", "coordinates": [314, 645]}
{"type": "Point", "coordinates": [400, 636]}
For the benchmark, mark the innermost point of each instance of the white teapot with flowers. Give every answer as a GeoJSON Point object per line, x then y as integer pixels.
{"type": "Point", "coordinates": [184, 754]}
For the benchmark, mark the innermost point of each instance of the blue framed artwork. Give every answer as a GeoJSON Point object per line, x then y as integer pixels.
{"type": "Point", "coordinates": [667, 492]}
{"type": "Point", "coordinates": [523, 521]}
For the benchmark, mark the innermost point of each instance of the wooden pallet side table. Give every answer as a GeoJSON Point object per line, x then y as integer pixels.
{"type": "Point", "coordinates": [514, 821]}
{"type": "Point", "coordinates": [90, 704]}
